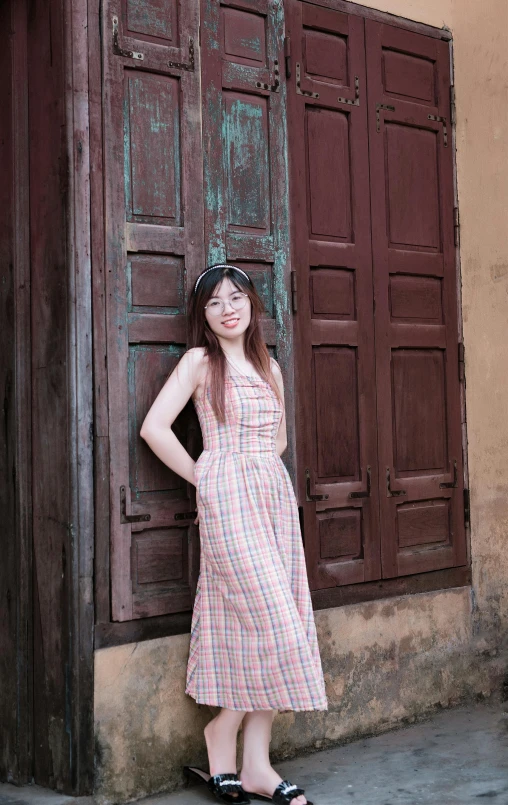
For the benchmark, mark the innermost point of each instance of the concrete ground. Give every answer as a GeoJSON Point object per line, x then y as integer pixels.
{"type": "Point", "coordinates": [457, 757]}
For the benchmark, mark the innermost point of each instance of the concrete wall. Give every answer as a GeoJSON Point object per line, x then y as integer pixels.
{"type": "Point", "coordinates": [393, 660]}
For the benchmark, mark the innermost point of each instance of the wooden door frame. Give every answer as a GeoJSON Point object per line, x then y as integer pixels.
{"type": "Point", "coordinates": [16, 727]}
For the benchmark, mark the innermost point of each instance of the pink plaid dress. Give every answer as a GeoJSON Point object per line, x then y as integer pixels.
{"type": "Point", "coordinates": [253, 638]}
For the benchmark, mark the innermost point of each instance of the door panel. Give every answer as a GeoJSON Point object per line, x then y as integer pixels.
{"type": "Point", "coordinates": [336, 414]}
{"type": "Point", "coordinates": [153, 208]}
{"type": "Point", "coordinates": [245, 168]}
{"type": "Point", "coordinates": [415, 287]}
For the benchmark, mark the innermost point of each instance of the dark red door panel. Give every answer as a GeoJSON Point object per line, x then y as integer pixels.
{"type": "Point", "coordinates": [332, 264]}
{"type": "Point", "coordinates": [415, 289]}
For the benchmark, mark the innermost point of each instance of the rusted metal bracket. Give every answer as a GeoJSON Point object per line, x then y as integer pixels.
{"type": "Point", "coordinates": [276, 82]}
{"type": "Point", "coordinates": [180, 65]}
{"type": "Point", "coordinates": [130, 518]}
{"type": "Point", "coordinates": [380, 106]}
{"type": "Point", "coordinates": [308, 495]}
{"type": "Point", "coordinates": [299, 90]}
{"type": "Point", "coordinates": [356, 101]}
{"type": "Point", "coordinates": [392, 493]}
{"type": "Point", "coordinates": [186, 515]}
{"type": "Point", "coordinates": [363, 493]}
{"type": "Point", "coordinates": [452, 484]}
{"type": "Point", "coordinates": [442, 120]}
{"type": "Point", "coordinates": [117, 50]}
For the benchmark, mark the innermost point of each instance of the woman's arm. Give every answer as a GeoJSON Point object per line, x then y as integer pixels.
{"type": "Point", "coordinates": [156, 429]}
{"type": "Point", "coordinates": [281, 440]}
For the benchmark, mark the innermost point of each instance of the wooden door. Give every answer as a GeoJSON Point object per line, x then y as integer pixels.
{"type": "Point", "coordinates": [334, 362]}
{"type": "Point", "coordinates": [415, 287]}
{"type": "Point", "coordinates": [245, 165]}
{"type": "Point", "coordinates": [153, 211]}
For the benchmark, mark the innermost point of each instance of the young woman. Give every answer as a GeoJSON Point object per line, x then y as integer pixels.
{"type": "Point", "coordinates": [253, 644]}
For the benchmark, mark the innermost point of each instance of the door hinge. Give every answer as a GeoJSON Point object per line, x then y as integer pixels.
{"type": "Point", "coordinates": [363, 493]}
{"type": "Point", "coordinates": [452, 484]}
{"type": "Point", "coordinates": [452, 106]}
{"type": "Point", "coordinates": [287, 55]}
{"type": "Point", "coordinates": [308, 495]}
{"type": "Point", "coordinates": [456, 226]}
{"type": "Point", "coordinates": [119, 51]}
{"type": "Point", "coordinates": [462, 372]}
{"type": "Point", "coordinates": [130, 518]}
{"type": "Point", "coordinates": [467, 508]}
{"type": "Point", "coordinates": [294, 297]}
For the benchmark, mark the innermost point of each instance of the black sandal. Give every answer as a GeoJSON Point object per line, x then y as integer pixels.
{"type": "Point", "coordinates": [226, 787]}
{"type": "Point", "coordinates": [282, 795]}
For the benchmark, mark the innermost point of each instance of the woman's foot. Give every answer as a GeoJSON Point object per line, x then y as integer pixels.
{"type": "Point", "coordinates": [265, 781]}
{"type": "Point", "coordinates": [220, 736]}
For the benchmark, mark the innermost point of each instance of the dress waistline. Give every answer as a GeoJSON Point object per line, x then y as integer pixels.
{"type": "Point", "coordinates": [268, 453]}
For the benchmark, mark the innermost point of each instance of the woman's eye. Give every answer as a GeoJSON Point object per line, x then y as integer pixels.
{"type": "Point", "coordinates": [215, 303]}
{"type": "Point", "coordinates": [236, 297]}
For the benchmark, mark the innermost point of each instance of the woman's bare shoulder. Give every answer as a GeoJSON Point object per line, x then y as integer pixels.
{"type": "Point", "coordinates": [197, 361]}
{"type": "Point", "coordinates": [277, 373]}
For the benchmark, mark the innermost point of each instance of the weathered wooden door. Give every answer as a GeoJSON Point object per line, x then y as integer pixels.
{"type": "Point", "coordinates": [334, 359]}
{"type": "Point", "coordinates": [154, 247]}
{"type": "Point", "coordinates": [417, 351]}
{"type": "Point", "coordinates": [378, 390]}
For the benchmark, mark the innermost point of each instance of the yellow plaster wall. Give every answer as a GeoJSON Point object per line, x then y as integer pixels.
{"type": "Point", "coordinates": [392, 660]}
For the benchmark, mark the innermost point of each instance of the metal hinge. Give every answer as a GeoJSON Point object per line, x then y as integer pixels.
{"type": "Point", "coordinates": [462, 373]}
{"type": "Point", "coordinates": [356, 101]}
{"type": "Point", "coordinates": [294, 297]}
{"type": "Point", "coordinates": [439, 119]}
{"type": "Point", "coordinates": [456, 226]}
{"type": "Point", "coordinates": [299, 90]}
{"type": "Point", "coordinates": [467, 508]}
{"type": "Point", "coordinates": [276, 82]}
{"type": "Point", "coordinates": [130, 518]}
{"type": "Point", "coordinates": [392, 493]}
{"type": "Point", "coordinates": [180, 65]}
{"type": "Point", "coordinates": [453, 111]}
{"type": "Point", "coordinates": [287, 55]}
{"type": "Point", "coordinates": [380, 106]}
{"type": "Point", "coordinates": [452, 484]}
{"type": "Point", "coordinates": [308, 496]}
{"type": "Point", "coordinates": [363, 493]}
{"type": "Point", "coordinates": [117, 50]}
{"type": "Point", "coordinates": [186, 515]}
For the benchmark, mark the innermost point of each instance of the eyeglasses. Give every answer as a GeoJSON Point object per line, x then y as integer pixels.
{"type": "Point", "coordinates": [216, 307]}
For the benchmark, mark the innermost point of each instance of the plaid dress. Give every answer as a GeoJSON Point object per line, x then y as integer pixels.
{"type": "Point", "coordinates": [253, 638]}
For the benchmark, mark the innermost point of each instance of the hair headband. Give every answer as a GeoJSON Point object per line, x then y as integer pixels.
{"type": "Point", "coordinates": [220, 265]}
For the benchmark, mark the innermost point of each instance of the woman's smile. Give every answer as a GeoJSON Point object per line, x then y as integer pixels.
{"type": "Point", "coordinates": [232, 322]}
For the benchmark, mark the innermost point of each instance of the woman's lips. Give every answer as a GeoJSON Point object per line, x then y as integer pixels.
{"type": "Point", "coordinates": [230, 323]}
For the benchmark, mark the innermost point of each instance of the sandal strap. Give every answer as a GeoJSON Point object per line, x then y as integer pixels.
{"type": "Point", "coordinates": [285, 792]}
{"type": "Point", "coordinates": [225, 784]}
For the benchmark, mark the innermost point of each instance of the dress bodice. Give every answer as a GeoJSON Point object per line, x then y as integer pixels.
{"type": "Point", "coordinates": [252, 416]}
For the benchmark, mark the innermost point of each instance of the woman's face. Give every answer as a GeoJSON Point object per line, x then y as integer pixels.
{"type": "Point", "coordinates": [227, 323]}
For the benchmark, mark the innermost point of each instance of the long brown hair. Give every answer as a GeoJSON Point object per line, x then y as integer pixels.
{"type": "Point", "coordinates": [201, 335]}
